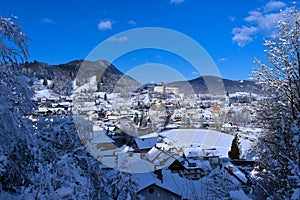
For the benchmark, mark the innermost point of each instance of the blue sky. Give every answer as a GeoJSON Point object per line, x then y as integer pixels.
{"type": "Point", "coordinates": [230, 31]}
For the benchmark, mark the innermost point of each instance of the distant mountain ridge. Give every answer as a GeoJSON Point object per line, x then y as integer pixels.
{"type": "Point", "coordinates": [220, 85]}
{"type": "Point", "coordinates": [63, 75]}
{"type": "Point", "coordinates": [109, 76]}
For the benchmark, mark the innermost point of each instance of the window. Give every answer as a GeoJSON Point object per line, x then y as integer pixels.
{"type": "Point", "coordinates": [151, 190]}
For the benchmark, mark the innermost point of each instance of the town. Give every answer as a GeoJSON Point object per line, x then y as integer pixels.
{"type": "Point", "coordinates": [157, 130]}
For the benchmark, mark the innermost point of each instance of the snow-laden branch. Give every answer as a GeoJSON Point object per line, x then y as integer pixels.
{"type": "Point", "coordinates": [13, 42]}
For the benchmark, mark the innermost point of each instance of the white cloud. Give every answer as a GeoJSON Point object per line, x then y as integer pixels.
{"type": "Point", "coordinates": [273, 6]}
{"type": "Point", "coordinates": [195, 73]}
{"type": "Point", "coordinates": [222, 60]}
{"type": "Point", "coordinates": [132, 22]}
{"type": "Point", "coordinates": [255, 16]}
{"type": "Point", "coordinates": [265, 22]}
{"type": "Point", "coordinates": [231, 18]}
{"type": "Point", "coordinates": [176, 1]}
{"type": "Point", "coordinates": [262, 20]}
{"type": "Point", "coordinates": [47, 20]}
{"type": "Point", "coordinates": [269, 21]}
{"type": "Point", "coordinates": [242, 36]}
{"type": "Point", "coordinates": [118, 39]}
{"type": "Point", "coordinates": [105, 25]}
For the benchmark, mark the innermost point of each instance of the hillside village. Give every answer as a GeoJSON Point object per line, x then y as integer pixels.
{"type": "Point", "coordinates": [157, 131]}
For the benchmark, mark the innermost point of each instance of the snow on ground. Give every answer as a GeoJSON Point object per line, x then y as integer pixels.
{"type": "Point", "coordinates": [206, 139]}
{"type": "Point", "coordinates": [41, 91]}
{"type": "Point", "coordinates": [90, 85]}
{"type": "Point", "coordinates": [243, 94]}
{"type": "Point", "coordinates": [45, 93]}
{"type": "Point", "coordinates": [253, 132]}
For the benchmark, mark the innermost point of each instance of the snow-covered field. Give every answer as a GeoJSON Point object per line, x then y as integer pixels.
{"type": "Point", "coordinates": [206, 139]}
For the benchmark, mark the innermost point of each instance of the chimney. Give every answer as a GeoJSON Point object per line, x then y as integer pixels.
{"type": "Point", "coordinates": [159, 174]}
{"type": "Point", "coordinates": [230, 170]}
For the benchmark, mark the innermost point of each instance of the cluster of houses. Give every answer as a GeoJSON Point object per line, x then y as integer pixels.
{"type": "Point", "coordinates": [53, 106]}
{"type": "Point", "coordinates": [128, 134]}
{"type": "Point", "coordinates": [159, 157]}
{"type": "Point", "coordinates": [155, 108]}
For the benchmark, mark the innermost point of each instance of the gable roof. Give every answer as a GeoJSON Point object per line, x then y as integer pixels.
{"type": "Point", "coordinates": [185, 188]}
{"type": "Point", "coordinates": [145, 143]}
{"type": "Point", "coordinates": [156, 185]}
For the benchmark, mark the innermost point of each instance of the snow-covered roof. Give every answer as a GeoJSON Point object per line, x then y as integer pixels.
{"type": "Point", "coordinates": [238, 173]}
{"type": "Point", "coordinates": [193, 152]}
{"type": "Point", "coordinates": [170, 126]}
{"type": "Point", "coordinates": [227, 125]}
{"type": "Point", "coordinates": [187, 189]}
{"type": "Point", "coordinates": [150, 135]}
{"type": "Point", "coordinates": [43, 109]}
{"type": "Point", "coordinates": [65, 103]}
{"type": "Point", "coordinates": [133, 163]}
{"type": "Point", "coordinates": [213, 153]}
{"type": "Point", "coordinates": [195, 164]}
{"type": "Point", "coordinates": [127, 148]}
{"type": "Point", "coordinates": [207, 113]}
{"type": "Point", "coordinates": [238, 195]}
{"type": "Point", "coordinates": [145, 143]}
{"type": "Point", "coordinates": [171, 182]}
{"type": "Point", "coordinates": [100, 137]}
{"type": "Point", "coordinates": [158, 156]}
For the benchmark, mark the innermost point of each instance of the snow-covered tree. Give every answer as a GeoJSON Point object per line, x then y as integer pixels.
{"type": "Point", "coordinates": [16, 138]}
{"type": "Point", "coordinates": [45, 82]}
{"type": "Point", "coordinates": [68, 171]}
{"type": "Point", "coordinates": [123, 186]}
{"type": "Point", "coordinates": [49, 160]}
{"type": "Point", "coordinates": [65, 168]}
{"type": "Point", "coordinates": [279, 149]}
{"type": "Point", "coordinates": [13, 42]}
{"type": "Point", "coordinates": [218, 184]}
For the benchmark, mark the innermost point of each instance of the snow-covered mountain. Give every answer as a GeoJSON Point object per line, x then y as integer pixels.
{"type": "Point", "coordinates": [64, 75]}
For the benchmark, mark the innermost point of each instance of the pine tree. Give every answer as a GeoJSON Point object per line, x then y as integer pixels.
{"type": "Point", "coordinates": [45, 82]}
{"type": "Point", "coordinates": [30, 82]}
{"type": "Point", "coordinates": [234, 152]}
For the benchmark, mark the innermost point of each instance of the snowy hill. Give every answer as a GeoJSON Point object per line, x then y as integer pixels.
{"type": "Point", "coordinates": [64, 75]}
